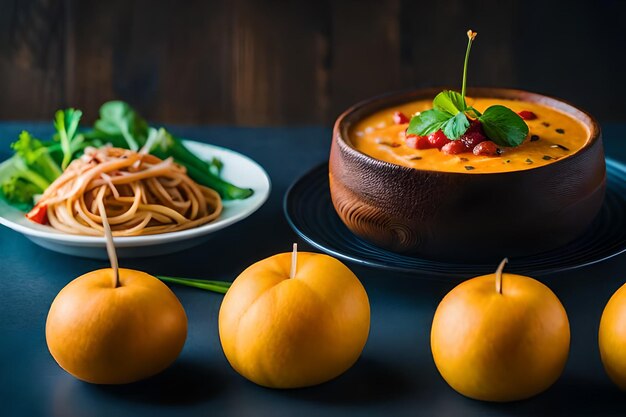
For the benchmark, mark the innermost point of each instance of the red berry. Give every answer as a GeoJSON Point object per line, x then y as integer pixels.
{"type": "Point", "coordinates": [486, 148]}
{"type": "Point", "coordinates": [438, 139]}
{"type": "Point", "coordinates": [418, 142]}
{"type": "Point", "coordinates": [527, 115]}
{"type": "Point", "coordinates": [454, 147]}
{"type": "Point", "coordinates": [400, 118]}
{"type": "Point", "coordinates": [474, 135]}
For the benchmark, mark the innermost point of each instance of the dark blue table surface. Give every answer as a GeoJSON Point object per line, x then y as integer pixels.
{"type": "Point", "coordinates": [395, 375]}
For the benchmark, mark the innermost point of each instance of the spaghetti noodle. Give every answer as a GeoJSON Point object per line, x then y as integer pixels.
{"type": "Point", "coordinates": [142, 195]}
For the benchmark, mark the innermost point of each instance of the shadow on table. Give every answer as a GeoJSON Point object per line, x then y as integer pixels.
{"type": "Point", "coordinates": [368, 381]}
{"type": "Point", "coordinates": [182, 383]}
{"type": "Point", "coordinates": [568, 397]}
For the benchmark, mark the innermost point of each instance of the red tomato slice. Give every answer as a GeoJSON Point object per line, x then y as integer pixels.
{"type": "Point", "coordinates": [39, 214]}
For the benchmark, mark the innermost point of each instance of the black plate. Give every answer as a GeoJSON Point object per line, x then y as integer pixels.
{"type": "Point", "coordinates": [310, 213]}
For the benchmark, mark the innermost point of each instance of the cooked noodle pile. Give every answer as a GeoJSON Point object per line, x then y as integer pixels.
{"type": "Point", "coordinates": [142, 195]}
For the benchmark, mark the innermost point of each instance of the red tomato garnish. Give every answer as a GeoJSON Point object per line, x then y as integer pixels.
{"type": "Point", "coordinates": [486, 148]}
{"type": "Point", "coordinates": [400, 118]}
{"type": "Point", "coordinates": [454, 147]}
{"type": "Point", "coordinates": [39, 214]}
{"type": "Point", "coordinates": [527, 115]}
{"type": "Point", "coordinates": [438, 139]}
{"type": "Point", "coordinates": [474, 135]}
{"type": "Point", "coordinates": [423, 143]}
{"type": "Point", "coordinates": [417, 142]}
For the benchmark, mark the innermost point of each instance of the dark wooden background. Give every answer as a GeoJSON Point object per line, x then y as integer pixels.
{"type": "Point", "coordinates": [298, 62]}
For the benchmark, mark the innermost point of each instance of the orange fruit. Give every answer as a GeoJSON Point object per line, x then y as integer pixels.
{"type": "Point", "coordinates": [612, 338]}
{"type": "Point", "coordinates": [286, 332]}
{"type": "Point", "coordinates": [500, 346]}
{"type": "Point", "coordinates": [104, 334]}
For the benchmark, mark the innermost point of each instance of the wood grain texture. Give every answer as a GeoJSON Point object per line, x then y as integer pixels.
{"type": "Point", "coordinates": [32, 63]}
{"type": "Point", "coordinates": [276, 62]}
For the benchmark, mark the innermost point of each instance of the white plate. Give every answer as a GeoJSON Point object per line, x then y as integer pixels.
{"type": "Point", "coordinates": [238, 169]}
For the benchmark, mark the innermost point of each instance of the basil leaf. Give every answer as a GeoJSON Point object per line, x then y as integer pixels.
{"type": "Point", "coordinates": [503, 126]}
{"type": "Point", "coordinates": [450, 102]}
{"type": "Point", "coordinates": [427, 122]}
{"type": "Point", "coordinates": [454, 105]}
{"type": "Point", "coordinates": [456, 126]}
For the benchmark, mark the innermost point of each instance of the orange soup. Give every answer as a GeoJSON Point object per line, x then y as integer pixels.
{"type": "Point", "coordinates": [552, 135]}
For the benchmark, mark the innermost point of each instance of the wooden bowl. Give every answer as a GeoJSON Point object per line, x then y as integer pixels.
{"type": "Point", "coordinates": [448, 215]}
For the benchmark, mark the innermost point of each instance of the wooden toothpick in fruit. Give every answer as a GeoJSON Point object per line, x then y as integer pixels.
{"type": "Point", "coordinates": [109, 244]}
{"type": "Point", "coordinates": [294, 261]}
{"type": "Point", "coordinates": [103, 335]}
{"type": "Point", "coordinates": [500, 346]}
{"type": "Point", "coordinates": [283, 330]}
{"type": "Point", "coordinates": [499, 275]}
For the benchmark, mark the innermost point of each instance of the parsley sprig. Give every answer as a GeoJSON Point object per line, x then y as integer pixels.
{"type": "Point", "coordinates": [450, 113]}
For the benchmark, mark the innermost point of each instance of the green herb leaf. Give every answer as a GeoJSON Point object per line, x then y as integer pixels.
{"type": "Point", "coordinates": [427, 122]}
{"type": "Point", "coordinates": [456, 126]}
{"type": "Point", "coordinates": [503, 126]}
{"type": "Point", "coordinates": [119, 119]}
{"type": "Point", "coordinates": [19, 192]}
{"type": "Point", "coordinates": [36, 156]}
{"type": "Point", "coordinates": [66, 124]}
{"type": "Point", "coordinates": [27, 173]}
{"type": "Point", "coordinates": [450, 114]}
{"type": "Point", "coordinates": [449, 101]}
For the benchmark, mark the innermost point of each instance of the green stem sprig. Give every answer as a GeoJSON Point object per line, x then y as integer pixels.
{"type": "Point", "coordinates": [451, 115]}
{"type": "Point", "coordinates": [470, 38]}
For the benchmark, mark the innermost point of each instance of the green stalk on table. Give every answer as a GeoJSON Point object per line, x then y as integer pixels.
{"type": "Point", "coordinates": [215, 286]}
